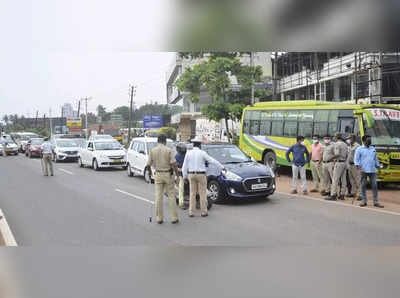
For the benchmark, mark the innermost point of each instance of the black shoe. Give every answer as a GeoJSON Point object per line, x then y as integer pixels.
{"type": "Point", "coordinates": [341, 197]}
{"type": "Point", "coordinates": [325, 193]}
{"type": "Point", "coordinates": [175, 221]}
{"type": "Point", "coordinates": [350, 195]}
{"type": "Point", "coordinates": [363, 204]}
{"type": "Point", "coordinates": [160, 222]}
{"type": "Point", "coordinates": [331, 198]}
{"type": "Point", "coordinates": [359, 198]}
{"type": "Point", "coordinates": [191, 215]}
{"type": "Point", "coordinates": [378, 205]}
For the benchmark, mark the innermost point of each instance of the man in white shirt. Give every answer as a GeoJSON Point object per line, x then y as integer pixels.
{"type": "Point", "coordinates": [194, 170]}
{"type": "Point", "coordinates": [47, 151]}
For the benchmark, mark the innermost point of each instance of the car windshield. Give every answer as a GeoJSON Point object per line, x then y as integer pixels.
{"type": "Point", "coordinates": [386, 130]}
{"type": "Point", "coordinates": [7, 139]}
{"type": "Point", "coordinates": [66, 143]}
{"type": "Point", "coordinates": [107, 146]}
{"type": "Point", "coordinates": [28, 137]}
{"type": "Point", "coordinates": [100, 137]}
{"type": "Point", "coordinates": [227, 155]}
{"type": "Point", "coordinates": [81, 142]}
{"type": "Point", "coordinates": [151, 145]}
{"type": "Point", "coordinates": [37, 142]}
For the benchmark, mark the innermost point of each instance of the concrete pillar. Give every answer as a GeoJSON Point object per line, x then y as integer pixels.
{"type": "Point", "coordinates": [336, 89]}
{"type": "Point", "coordinates": [282, 96]}
{"type": "Point", "coordinates": [353, 88]}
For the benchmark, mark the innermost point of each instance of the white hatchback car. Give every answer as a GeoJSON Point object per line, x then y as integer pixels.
{"type": "Point", "coordinates": [102, 154]}
{"type": "Point", "coordinates": [138, 154]}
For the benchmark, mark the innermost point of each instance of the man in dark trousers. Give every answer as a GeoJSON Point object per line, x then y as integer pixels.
{"type": "Point", "coordinates": [301, 156]}
{"type": "Point", "coordinates": [180, 158]}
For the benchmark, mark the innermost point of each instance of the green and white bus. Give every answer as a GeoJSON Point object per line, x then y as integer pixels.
{"type": "Point", "coordinates": [268, 129]}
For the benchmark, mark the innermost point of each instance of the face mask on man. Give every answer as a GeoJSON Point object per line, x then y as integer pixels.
{"type": "Point", "coordinates": [315, 141]}
{"type": "Point", "coordinates": [368, 143]}
{"type": "Point", "coordinates": [302, 143]}
{"type": "Point", "coordinates": [348, 142]}
{"type": "Point", "coordinates": [327, 141]}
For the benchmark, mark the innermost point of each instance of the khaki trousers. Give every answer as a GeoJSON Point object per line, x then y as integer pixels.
{"type": "Point", "coordinates": [355, 180]}
{"type": "Point", "coordinates": [339, 181]}
{"type": "Point", "coordinates": [165, 182]}
{"type": "Point", "coordinates": [181, 191]}
{"type": "Point", "coordinates": [327, 174]}
{"type": "Point", "coordinates": [316, 170]}
{"type": "Point", "coordinates": [198, 184]}
{"type": "Point", "coordinates": [47, 163]}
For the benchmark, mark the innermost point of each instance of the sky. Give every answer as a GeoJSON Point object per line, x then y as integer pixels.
{"type": "Point", "coordinates": [53, 52]}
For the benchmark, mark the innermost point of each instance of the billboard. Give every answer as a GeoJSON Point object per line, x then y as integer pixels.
{"type": "Point", "coordinates": [152, 121]}
{"type": "Point", "coordinates": [74, 124]}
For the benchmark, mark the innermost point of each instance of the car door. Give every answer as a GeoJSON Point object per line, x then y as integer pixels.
{"type": "Point", "coordinates": [142, 157]}
{"type": "Point", "coordinates": [131, 155]}
{"type": "Point", "coordinates": [87, 153]}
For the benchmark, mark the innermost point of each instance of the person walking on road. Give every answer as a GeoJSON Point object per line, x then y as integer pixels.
{"type": "Point", "coordinates": [163, 160]}
{"type": "Point", "coordinates": [180, 158]}
{"type": "Point", "coordinates": [339, 184]}
{"type": "Point", "coordinates": [47, 151]}
{"type": "Point", "coordinates": [316, 159]}
{"type": "Point", "coordinates": [299, 152]}
{"type": "Point", "coordinates": [354, 173]}
{"type": "Point", "coordinates": [327, 165]}
{"type": "Point", "coordinates": [194, 170]}
{"type": "Point", "coordinates": [367, 162]}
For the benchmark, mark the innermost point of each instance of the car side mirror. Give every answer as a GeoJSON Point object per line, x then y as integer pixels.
{"type": "Point", "coordinates": [142, 152]}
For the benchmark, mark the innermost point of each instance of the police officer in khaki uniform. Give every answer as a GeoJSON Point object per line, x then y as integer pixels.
{"type": "Point", "coordinates": [354, 173]}
{"type": "Point", "coordinates": [163, 160]}
{"type": "Point", "coordinates": [327, 165]}
{"type": "Point", "coordinates": [339, 169]}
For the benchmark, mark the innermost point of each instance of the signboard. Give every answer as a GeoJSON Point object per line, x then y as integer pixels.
{"type": "Point", "coordinates": [152, 121]}
{"type": "Point", "coordinates": [74, 125]}
{"type": "Point", "coordinates": [385, 114]}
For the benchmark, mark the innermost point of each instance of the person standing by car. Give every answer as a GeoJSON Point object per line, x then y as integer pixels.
{"type": "Point", "coordinates": [180, 158]}
{"type": "Point", "coordinates": [339, 183]}
{"type": "Point", "coordinates": [327, 165]}
{"type": "Point", "coordinates": [162, 159]}
{"type": "Point", "coordinates": [316, 159]}
{"type": "Point", "coordinates": [366, 162]}
{"type": "Point", "coordinates": [5, 144]}
{"type": "Point", "coordinates": [298, 151]}
{"type": "Point", "coordinates": [194, 170]}
{"type": "Point", "coordinates": [354, 173]}
{"type": "Point", "coordinates": [47, 151]}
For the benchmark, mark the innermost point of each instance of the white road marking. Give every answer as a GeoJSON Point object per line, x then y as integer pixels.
{"type": "Point", "coordinates": [5, 231]}
{"type": "Point", "coordinates": [65, 171]}
{"type": "Point", "coordinates": [340, 203]}
{"type": "Point", "coordinates": [134, 196]}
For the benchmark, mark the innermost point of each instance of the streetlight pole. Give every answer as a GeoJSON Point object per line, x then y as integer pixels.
{"type": "Point", "coordinates": [132, 93]}
{"type": "Point", "coordinates": [86, 122]}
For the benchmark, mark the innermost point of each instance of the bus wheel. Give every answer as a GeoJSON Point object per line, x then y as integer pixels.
{"type": "Point", "coordinates": [270, 160]}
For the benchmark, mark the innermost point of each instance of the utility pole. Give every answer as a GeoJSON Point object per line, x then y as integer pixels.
{"type": "Point", "coordinates": [86, 122]}
{"type": "Point", "coordinates": [132, 94]}
{"type": "Point", "coordinates": [37, 115]}
{"type": "Point", "coordinates": [51, 124]}
{"type": "Point", "coordinates": [355, 78]}
{"type": "Point", "coordinates": [79, 108]}
{"type": "Point", "coordinates": [252, 86]}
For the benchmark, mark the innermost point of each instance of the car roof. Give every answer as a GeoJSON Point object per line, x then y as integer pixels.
{"type": "Point", "coordinates": [104, 140]}
{"type": "Point", "coordinates": [149, 139]}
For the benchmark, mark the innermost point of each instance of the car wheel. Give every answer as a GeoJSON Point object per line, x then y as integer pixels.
{"type": "Point", "coordinates": [214, 192]}
{"type": "Point", "coordinates": [270, 160]}
{"type": "Point", "coordinates": [147, 177]}
{"type": "Point", "coordinates": [80, 162]}
{"type": "Point", "coordinates": [129, 170]}
{"type": "Point", "coordinates": [95, 165]}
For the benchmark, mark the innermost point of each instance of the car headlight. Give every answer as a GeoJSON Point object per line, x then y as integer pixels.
{"type": "Point", "coordinates": [232, 176]}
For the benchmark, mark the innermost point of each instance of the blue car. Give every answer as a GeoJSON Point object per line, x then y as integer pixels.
{"type": "Point", "coordinates": [245, 178]}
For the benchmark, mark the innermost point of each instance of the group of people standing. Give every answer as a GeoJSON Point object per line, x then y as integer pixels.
{"type": "Point", "coordinates": [333, 162]}
{"type": "Point", "coordinates": [184, 167]}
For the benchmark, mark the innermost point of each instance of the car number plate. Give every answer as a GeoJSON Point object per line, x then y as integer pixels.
{"type": "Point", "coordinates": [259, 186]}
{"type": "Point", "coordinates": [117, 160]}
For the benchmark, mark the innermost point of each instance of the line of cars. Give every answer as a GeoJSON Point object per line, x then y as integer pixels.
{"type": "Point", "coordinates": [245, 177]}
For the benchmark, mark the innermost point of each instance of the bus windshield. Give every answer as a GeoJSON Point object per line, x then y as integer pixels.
{"type": "Point", "coordinates": [386, 130]}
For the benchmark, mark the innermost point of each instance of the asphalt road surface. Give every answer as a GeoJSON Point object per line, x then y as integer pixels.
{"type": "Point", "coordinates": [89, 236]}
{"type": "Point", "coordinates": [81, 207]}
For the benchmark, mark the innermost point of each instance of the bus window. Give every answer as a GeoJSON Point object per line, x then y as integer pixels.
{"type": "Point", "coordinates": [265, 127]}
{"type": "Point", "coordinates": [255, 123]}
{"type": "Point", "coordinates": [321, 116]}
{"type": "Point", "coordinates": [333, 122]}
{"type": "Point", "coordinates": [290, 129]}
{"type": "Point", "coordinates": [305, 129]}
{"type": "Point", "coordinates": [346, 126]}
{"type": "Point", "coordinates": [320, 128]}
{"type": "Point", "coordinates": [277, 128]}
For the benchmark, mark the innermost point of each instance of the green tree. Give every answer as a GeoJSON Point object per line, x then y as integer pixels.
{"type": "Point", "coordinates": [123, 111]}
{"type": "Point", "coordinates": [101, 111]}
{"type": "Point", "coordinates": [213, 75]}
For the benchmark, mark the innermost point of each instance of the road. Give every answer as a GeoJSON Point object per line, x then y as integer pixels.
{"type": "Point", "coordinates": [81, 207]}
{"type": "Point", "coordinates": [91, 229]}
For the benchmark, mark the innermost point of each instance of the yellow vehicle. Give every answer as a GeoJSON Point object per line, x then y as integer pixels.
{"type": "Point", "coordinates": [269, 129]}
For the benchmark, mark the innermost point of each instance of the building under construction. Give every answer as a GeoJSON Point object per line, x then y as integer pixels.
{"type": "Point", "coordinates": [363, 77]}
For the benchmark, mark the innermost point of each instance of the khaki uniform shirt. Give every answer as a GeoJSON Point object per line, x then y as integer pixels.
{"type": "Point", "coordinates": [328, 152]}
{"type": "Point", "coordinates": [340, 149]}
{"type": "Point", "coordinates": [161, 158]}
{"type": "Point", "coordinates": [352, 151]}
